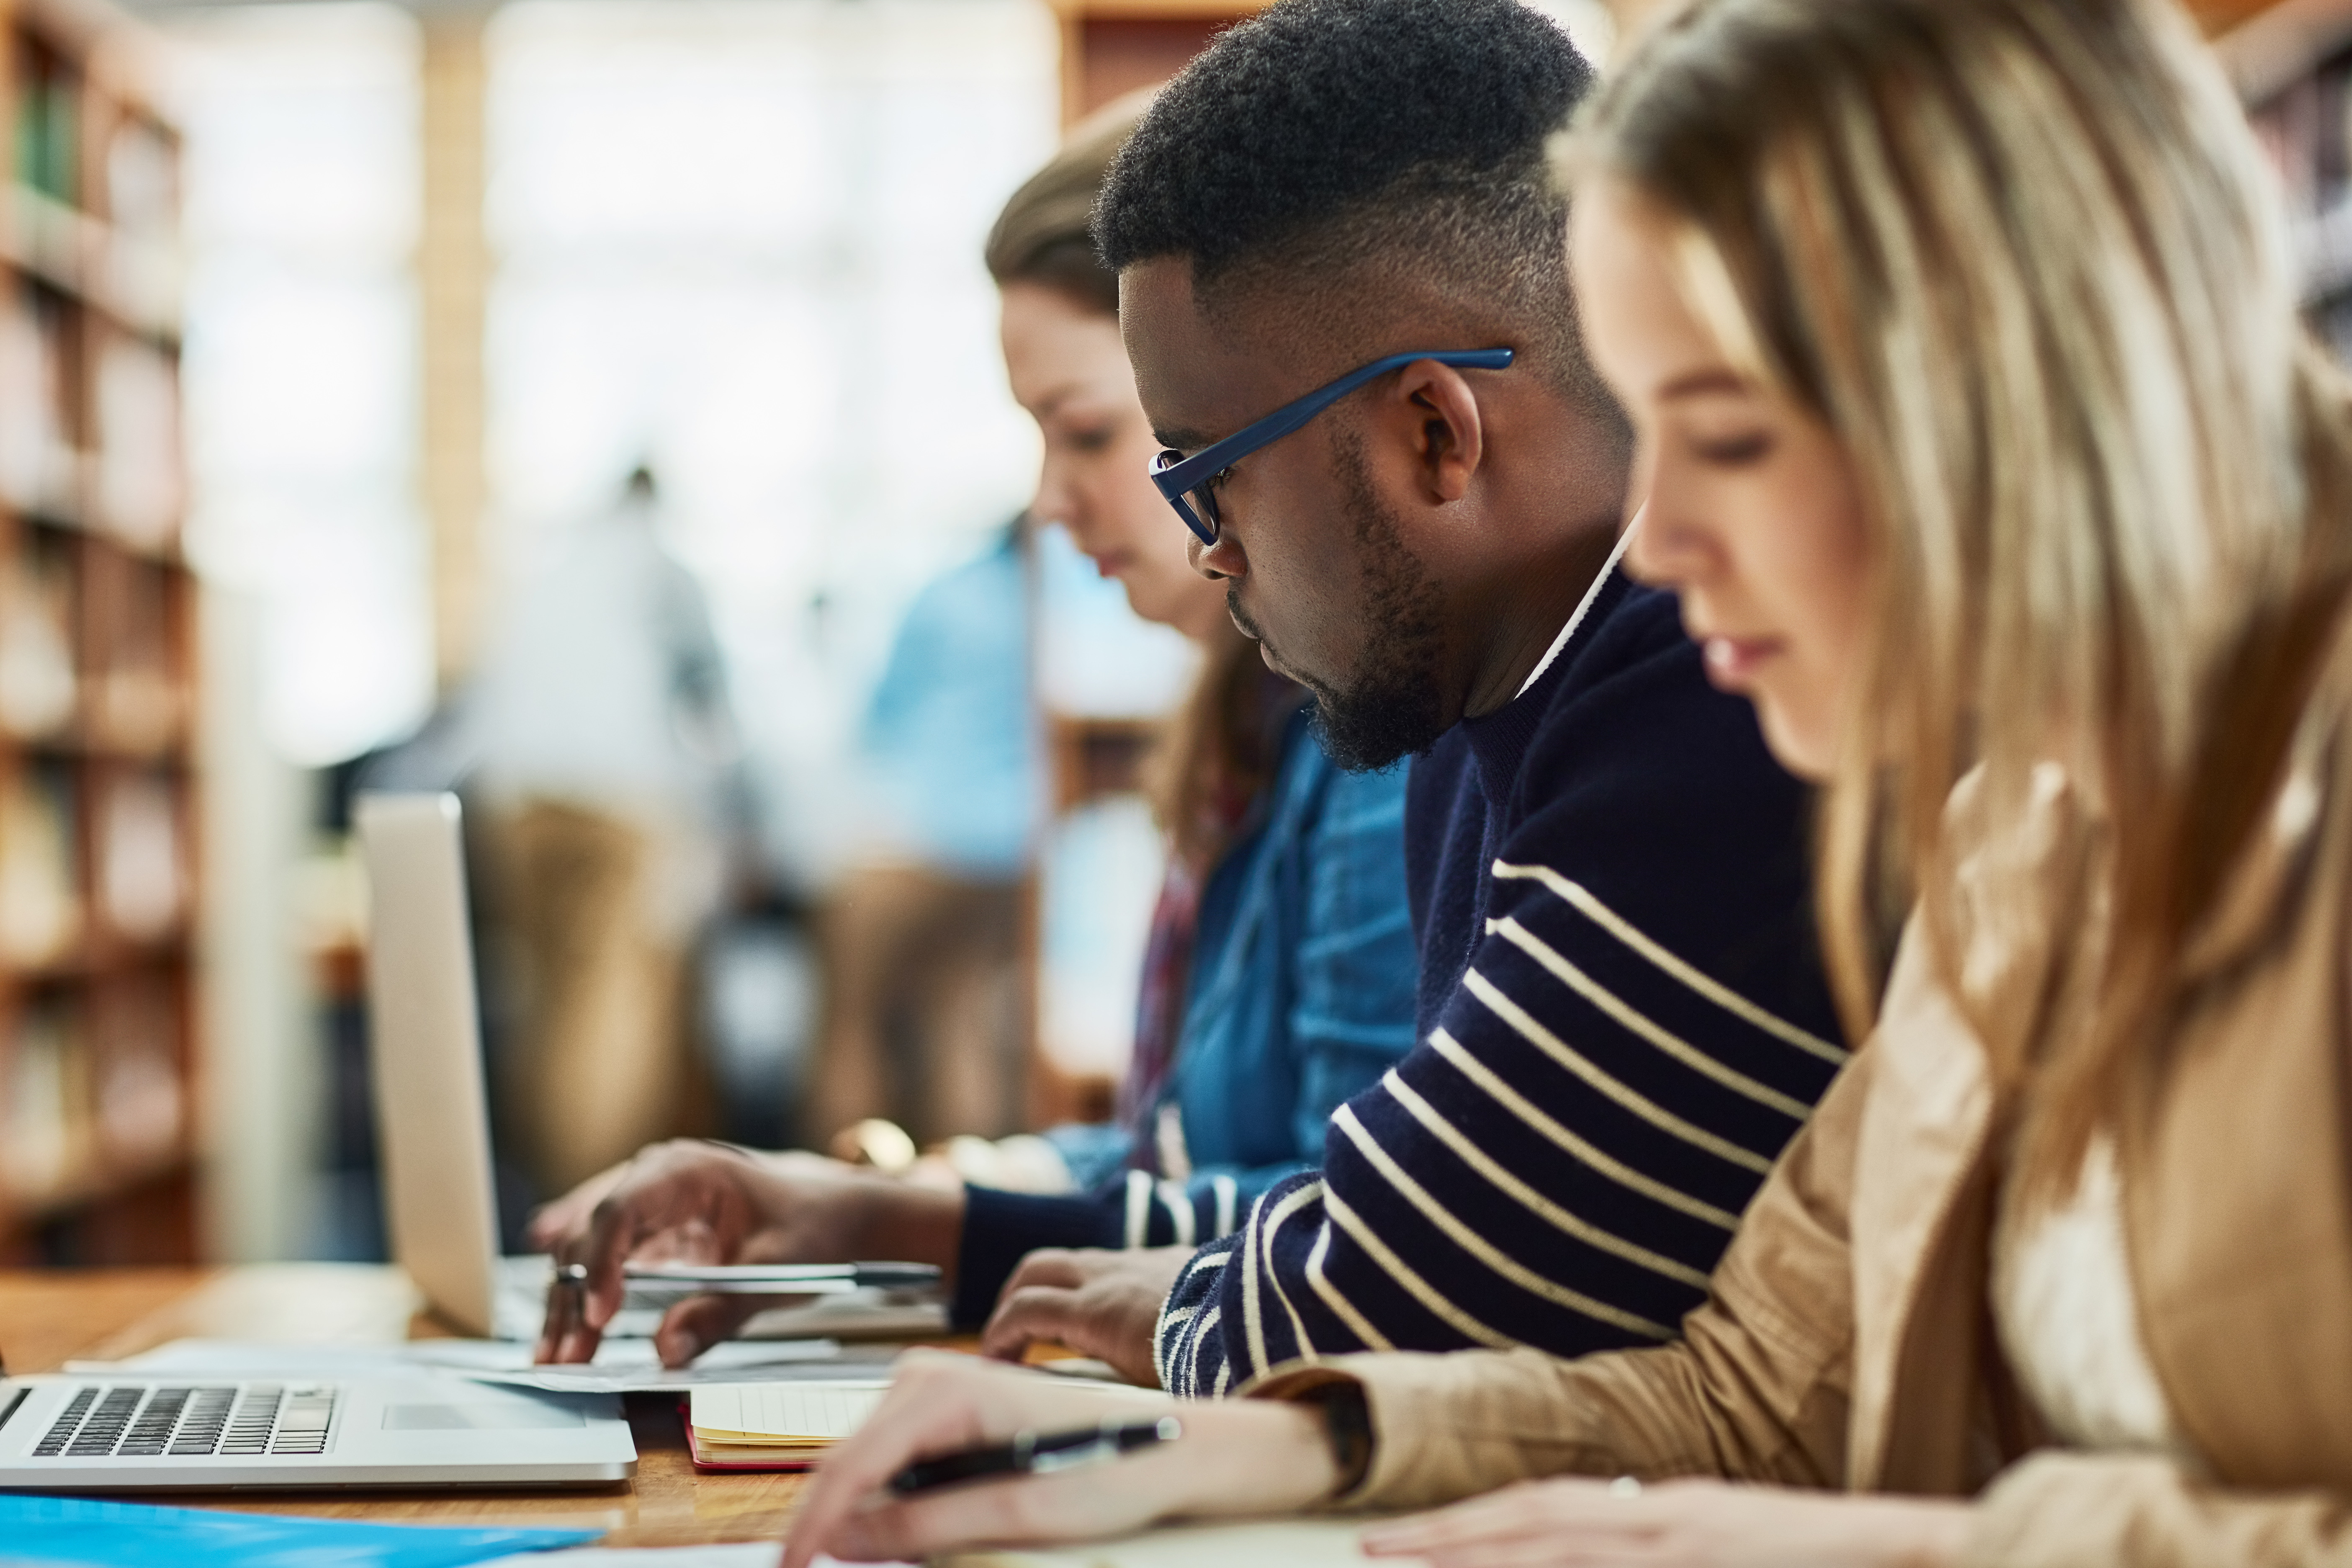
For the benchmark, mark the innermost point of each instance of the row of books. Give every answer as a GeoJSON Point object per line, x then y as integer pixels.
{"type": "Point", "coordinates": [104, 228]}
{"type": "Point", "coordinates": [133, 701]}
{"type": "Point", "coordinates": [138, 886]}
{"type": "Point", "coordinates": [48, 130]}
{"type": "Point", "coordinates": [126, 478]}
{"type": "Point", "coordinates": [140, 171]}
{"type": "Point", "coordinates": [93, 1087]}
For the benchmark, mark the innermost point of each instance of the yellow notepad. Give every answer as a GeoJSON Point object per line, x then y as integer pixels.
{"type": "Point", "coordinates": [775, 1425]}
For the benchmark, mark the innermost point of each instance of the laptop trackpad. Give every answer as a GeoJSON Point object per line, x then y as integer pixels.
{"type": "Point", "coordinates": [506, 1416]}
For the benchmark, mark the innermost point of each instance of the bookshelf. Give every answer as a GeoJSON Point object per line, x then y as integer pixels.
{"type": "Point", "coordinates": [97, 666]}
{"type": "Point", "coordinates": [1111, 47]}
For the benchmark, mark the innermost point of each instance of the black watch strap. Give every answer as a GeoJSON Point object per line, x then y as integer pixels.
{"type": "Point", "coordinates": [1347, 1427]}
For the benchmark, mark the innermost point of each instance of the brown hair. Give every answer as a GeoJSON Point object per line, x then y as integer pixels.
{"type": "Point", "coordinates": [2021, 257]}
{"type": "Point", "coordinates": [1219, 749]}
{"type": "Point", "coordinates": [1042, 237]}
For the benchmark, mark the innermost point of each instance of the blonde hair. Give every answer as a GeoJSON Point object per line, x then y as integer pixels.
{"type": "Point", "coordinates": [2022, 258]}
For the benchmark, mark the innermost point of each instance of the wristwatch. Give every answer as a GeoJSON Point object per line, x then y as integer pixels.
{"type": "Point", "coordinates": [1347, 1427]}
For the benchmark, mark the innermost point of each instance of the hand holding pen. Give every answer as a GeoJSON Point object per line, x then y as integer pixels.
{"type": "Point", "coordinates": [1037, 1454]}
{"type": "Point", "coordinates": [1095, 1462]}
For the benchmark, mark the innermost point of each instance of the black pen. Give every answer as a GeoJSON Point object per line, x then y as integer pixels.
{"type": "Point", "coordinates": [759, 1278]}
{"type": "Point", "coordinates": [1037, 1453]}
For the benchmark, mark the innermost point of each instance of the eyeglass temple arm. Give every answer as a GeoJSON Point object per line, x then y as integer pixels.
{"type": "Point", "coordinates": [1204, 463]}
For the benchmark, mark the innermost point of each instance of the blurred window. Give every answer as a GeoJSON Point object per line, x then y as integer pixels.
{"type": "Point", "coordinates": [740, 242]}
{"type": "Point", "coordinates": [300, 360]}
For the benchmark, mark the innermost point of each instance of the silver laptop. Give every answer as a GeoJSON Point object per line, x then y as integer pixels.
{"type": "Point", "coordinates": [129, 1434]}
{"type": "Point", "coordinates": [425, 1055]}
{"type": "Point", "coordinates": [431, 1125]}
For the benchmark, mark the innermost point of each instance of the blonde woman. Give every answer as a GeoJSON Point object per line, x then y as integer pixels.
{"type": "Point", "coordinates": [1982, 442]}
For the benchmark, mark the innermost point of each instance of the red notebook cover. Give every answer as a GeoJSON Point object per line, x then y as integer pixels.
{"type": "Point", "coordinates": [694, 1451]}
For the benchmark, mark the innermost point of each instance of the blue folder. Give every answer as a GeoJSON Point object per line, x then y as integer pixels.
{"type": "Point", "coordinates": [84, 1530]}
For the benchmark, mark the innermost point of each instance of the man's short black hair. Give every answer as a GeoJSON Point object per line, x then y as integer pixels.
{"type": "Point", "coordinates": [1405, 136]}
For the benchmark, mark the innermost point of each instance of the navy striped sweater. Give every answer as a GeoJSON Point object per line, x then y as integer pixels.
{"type": "Point", "coordinates": [1623, 1020]}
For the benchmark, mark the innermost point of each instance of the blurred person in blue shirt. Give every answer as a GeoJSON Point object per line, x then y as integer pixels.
{"type": "Point", "coordinates": [950, 730]}
{"type": "Point", "coordinates": [925, 1023]}
{"type": "Point", "coordinates": [1280, 976]}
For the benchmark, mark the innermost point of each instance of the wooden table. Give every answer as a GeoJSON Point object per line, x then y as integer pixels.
{"type": "Point", "coordinates": [47, 1318]}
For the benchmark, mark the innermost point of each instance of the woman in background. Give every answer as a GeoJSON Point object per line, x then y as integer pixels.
{"type": "Point", "coordinates": [1987, 452]}
{"type": "Point", "coordinates": [1279, 977]}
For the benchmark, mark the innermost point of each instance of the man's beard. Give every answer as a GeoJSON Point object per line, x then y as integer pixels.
{"type": "Point", "coordinates": [1390, 708]}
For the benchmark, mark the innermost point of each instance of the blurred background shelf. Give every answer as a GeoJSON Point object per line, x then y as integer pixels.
{"type": "Point", "coordinates": [97, 681]}
{"type": "Point", "coordinates": [1113, 47]}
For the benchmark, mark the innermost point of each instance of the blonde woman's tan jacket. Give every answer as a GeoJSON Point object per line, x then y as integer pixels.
{"type": "Point", "coordinates": [1848, 1339]}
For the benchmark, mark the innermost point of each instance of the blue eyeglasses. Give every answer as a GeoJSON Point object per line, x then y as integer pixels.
{"type": "Point", "coordinates": [1190, 483]}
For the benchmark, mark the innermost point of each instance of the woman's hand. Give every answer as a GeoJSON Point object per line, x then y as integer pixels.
{"type": "Point", "coordinates": [1237, 1457]}
{"type": "Point", "coordinates": [1676, 1525]}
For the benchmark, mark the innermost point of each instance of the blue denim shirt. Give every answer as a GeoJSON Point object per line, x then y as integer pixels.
{"type": "Point", "coordinates": [1301, 994]}
{"type": "Point", "coordinates": [1303, 975]}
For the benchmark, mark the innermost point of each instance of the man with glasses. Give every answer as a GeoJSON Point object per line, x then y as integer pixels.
{"type": "Point", "coordinates": [1343, 291]}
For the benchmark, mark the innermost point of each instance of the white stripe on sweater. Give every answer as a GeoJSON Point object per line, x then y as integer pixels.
{"type": "Point", "coordinates": [1179, 1204]}
{"type": "Point", "coordinates": [1256, 1246]}
{"type": "Point", "coordinates": [1479, 1247]}
{"type": "Point", "coordinates": [1648, 1109]}
{"type": "Point", "coordinates": [1397, 1269]}
{"type": "Point", "coordinates": [1641, 1024]}
{"type": "Point", "coordinates": [1139, 1207]}
{"type": "Point", "coordinates": [1560, 1219]}
{"type": "Point", "coordinates": [1624, 930]}
{"type": "Point", "coordinates": [1341, 1308]}
{"type": "Point", "coordinates": [1280, 1213]}
{"type": "Point", "coordinates": [1458, 1057]}
{"type": "Point", "coordinates": [1200, 1337]}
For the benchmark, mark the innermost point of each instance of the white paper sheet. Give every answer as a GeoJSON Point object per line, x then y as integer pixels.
{"type": "Point", "coordinates": [631, 1367]}
{"type": "Point", "coordinates": [652, 1380]}
{"type": "Point", "coordinates": [619, 1367]}
{"type": "Point", "coordinates": [787, 1409]}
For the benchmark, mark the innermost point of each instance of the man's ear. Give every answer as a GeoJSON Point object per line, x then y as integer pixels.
{"type": "Point", "coordinates": [1449, 434]}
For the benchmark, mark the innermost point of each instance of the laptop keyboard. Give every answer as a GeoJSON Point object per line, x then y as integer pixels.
{"type": "Point", "coordinates": [129, 1421]}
